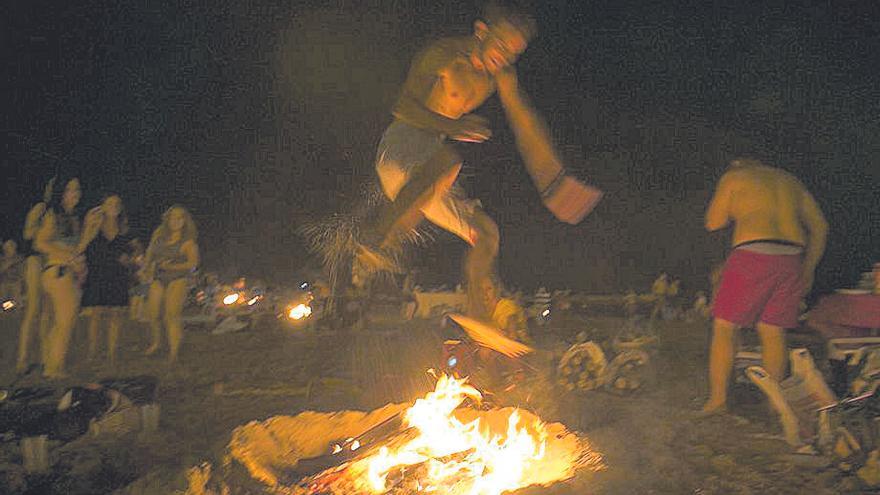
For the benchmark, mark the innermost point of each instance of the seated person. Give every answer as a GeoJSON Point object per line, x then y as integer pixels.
{"type": "Point", "coordinates": [510, 318]}
{"type": "Point", "coordinates": [507, 315]}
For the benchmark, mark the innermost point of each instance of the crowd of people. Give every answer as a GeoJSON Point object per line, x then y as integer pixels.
{"type": "Point", "coordinates": [72, 263]}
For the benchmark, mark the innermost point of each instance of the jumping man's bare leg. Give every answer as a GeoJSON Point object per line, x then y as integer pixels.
{"type": "Point", "coordinates": [405, 212]}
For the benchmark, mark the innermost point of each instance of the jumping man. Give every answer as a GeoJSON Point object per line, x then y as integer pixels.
{"type": "Point", "coordinates": [418, 167]}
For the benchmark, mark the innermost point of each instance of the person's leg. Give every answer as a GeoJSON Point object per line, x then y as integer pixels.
{"type": "Point", "coordinates": [469, 222]}
{"type": "Point", "coordinates": [113, 333]}
{"type": "Point", "coordinates": [408, 187]}
{"type": "Point", "coordinates": [773, 350]}
{"type": "Point", "coordinates": [175, 296]}
{"type": "Point", "coordinates": [780, 312]}
{"type": "Point", "coordinates": [479, 263]}
{"type": "Point", "coordinates": [134, 307]}
{"type": "Point", "coordinates": [32, 270]}
{"type": "Point", "coordinates": [94, 323]}
{"type": "Point", "coordinates": [157, 293]}
{"type": "Point", "coordinates": [65, 301]}
{"type": "Point", "coordinates": [425, 183]}
{"type": "Point", "coordinates": [720, 364]}
{"type": "Point", "coordinates": [46, 317]}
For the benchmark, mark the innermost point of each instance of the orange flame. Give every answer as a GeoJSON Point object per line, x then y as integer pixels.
{"type": "Point", "coordinates": [466, 458]}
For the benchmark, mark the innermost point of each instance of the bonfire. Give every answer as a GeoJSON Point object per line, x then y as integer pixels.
{"type": "Point", "coordinates": [446, 443]}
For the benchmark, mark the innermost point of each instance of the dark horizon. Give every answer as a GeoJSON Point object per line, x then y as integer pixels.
{"type": "Point", "coordinates": [258, 117]}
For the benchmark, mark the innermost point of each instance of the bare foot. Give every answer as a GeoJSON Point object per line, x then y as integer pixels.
{"type": "Point", "coordinates": [712, 408]}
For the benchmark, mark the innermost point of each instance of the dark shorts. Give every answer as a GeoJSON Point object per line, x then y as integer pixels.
{"type": "Point", "coordinates": [758, 287]}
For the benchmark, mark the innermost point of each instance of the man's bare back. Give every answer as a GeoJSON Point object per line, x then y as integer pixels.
{"type": "Point", "coordinates": [768, 204]}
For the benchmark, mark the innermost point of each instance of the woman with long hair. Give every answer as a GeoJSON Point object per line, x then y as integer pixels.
{"type": "Point", "coordinates": [171, 257]}
{"type": "Point", "coordinates": [106, 287]}
{"type": "Point", "coordinates": [33, 267]}
{"type": "Point", "coordinates": [58, 239]}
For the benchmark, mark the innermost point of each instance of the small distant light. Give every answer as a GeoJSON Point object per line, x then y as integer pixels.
{"type": "Point", "coordinates": [253, 300]}
{"type": "Point", "coordinates": [303, 285]}
{"type": "Point", "coordinates": [356, 445]}
{"type": "Point", "coordinates": [299, 312]}
{"type": "Point", "coordinates": [452, 362]}
{"type": "Point", "coordinates": [337, 448]}
{"type": "Point", "coordinates": [545, 313]}
{"type": "Point", "coordinates": [8, 304]}
{"type": "Point", "coordinates": [230, 299]}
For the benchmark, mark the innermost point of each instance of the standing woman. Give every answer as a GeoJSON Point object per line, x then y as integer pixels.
{"type": "Point", "coordinates": [171, 257]}
{"type": "Point", "coordinates": [33, 267]}
{"type": "Point", "coordinates": [58, 239]}
{"type": "Point", "coordinates": [106, 288]}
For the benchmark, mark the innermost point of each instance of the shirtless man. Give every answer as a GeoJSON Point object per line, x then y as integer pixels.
{"type": "Point", "coordinates": [418, 168]}
{"type": "Point", "coordinates": [778, 238]}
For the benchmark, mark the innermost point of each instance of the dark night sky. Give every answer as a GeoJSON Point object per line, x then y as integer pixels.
{"type": "Point", "coordinates": [258, 114]}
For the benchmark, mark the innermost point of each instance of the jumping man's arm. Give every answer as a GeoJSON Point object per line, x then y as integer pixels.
{"type": "Point", "coordinates": [532, 136]}
{"type": "Point", "coordinates": [566, 197]}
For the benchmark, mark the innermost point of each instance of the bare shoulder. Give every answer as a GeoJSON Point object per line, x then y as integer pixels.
{"type": "Point", "coordinates": [789, 181]}
{"type": "Point", "coordinates": [440, 53]}
{"type": "Point", "coordinates": [736, 176]}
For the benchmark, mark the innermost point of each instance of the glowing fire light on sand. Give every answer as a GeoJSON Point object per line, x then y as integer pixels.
{"type": "Point", "coordinates": [465, 457]}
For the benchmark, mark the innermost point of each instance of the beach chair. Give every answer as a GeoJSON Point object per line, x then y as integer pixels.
{"type": "Point", "coordinates": [801, 400]}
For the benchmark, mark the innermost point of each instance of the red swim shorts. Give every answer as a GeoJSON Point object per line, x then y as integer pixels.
{"type": "Point", "coordinates": [758, 287]}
